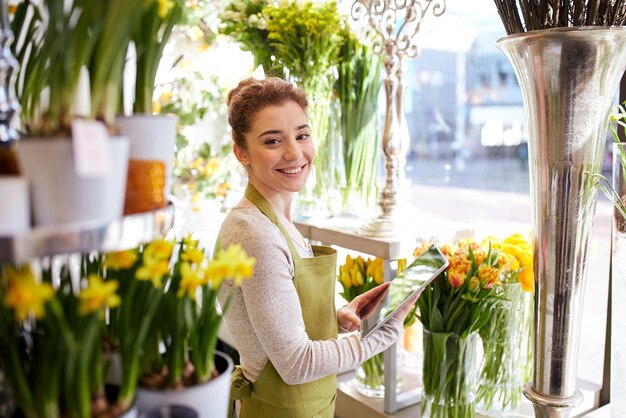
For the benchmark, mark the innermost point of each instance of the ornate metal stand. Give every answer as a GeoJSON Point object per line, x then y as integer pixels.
{"type": "Point", "coordinates": [397, 22]}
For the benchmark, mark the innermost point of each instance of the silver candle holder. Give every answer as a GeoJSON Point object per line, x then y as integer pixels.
{"type": "Point", "coordinates": [396, 22]}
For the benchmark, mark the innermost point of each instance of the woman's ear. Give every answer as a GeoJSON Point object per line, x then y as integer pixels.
{"type": "Point", "coordinates": [240, 154]}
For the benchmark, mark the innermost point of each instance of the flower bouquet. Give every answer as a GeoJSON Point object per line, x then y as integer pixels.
{"type": "Point", "coordinates": [506, 337]}
{"type": "Point", "coordinates": [356, 277]}
{"type": "Point", "coordinates": [357, 87]}
{"type": "Point", "coordinates": [452, 309]}
{"type": "Point", "coordinates": [51, 342]}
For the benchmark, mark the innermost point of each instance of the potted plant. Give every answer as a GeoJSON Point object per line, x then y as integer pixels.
{"type": "Point", "coordinates": [51, 340]}
{"type": "Point", "coordinates": [55, 44]}
{"type": "Point", "coordinates": [152, 136]}
{"type": "Point", "coordinates": [180, 364]}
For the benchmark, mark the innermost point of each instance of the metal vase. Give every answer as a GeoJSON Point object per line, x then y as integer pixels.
{"type": "Point", "coordinates": [569, 78]}
{"type": "Point", "coordinates": [618, 282]}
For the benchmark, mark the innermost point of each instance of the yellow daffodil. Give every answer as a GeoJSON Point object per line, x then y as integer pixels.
{"type": "Point", "coordinates": [164, 7]}
{"type": "Point", "coordinates": [222, 189]}
{"type": "Point", "coordinates": [190, 279]}
{"type": "Point", "coordinates": [197, 163]}
{"type": "Point", "coordinates": [193, 255]}
{"type": "Point", "coordinates": [24, 295]}
{"type": "Point", "coordinates": [212, 166]}
{"type": "Point", "coordinates": [158, 250]}
{"type": "Point", "coordinates": [153, 271]}
{"type": "Point", "coordinates": [120, 260]}
{"type": "Point", "coordinates": [98, 294]}
{"type": "Point", "coordinates": [235, 262]}
{"type": "Point", "coordinates": [189, 242]}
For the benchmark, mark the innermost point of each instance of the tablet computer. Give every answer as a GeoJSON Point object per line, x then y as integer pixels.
{"type": "Point", "coordinates": [412, 280]}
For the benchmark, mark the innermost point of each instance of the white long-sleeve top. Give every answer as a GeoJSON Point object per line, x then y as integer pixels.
{"type": "Point", "coordinates": [265, 317]}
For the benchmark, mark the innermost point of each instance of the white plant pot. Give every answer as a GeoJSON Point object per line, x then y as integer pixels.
{"type": "Point", "coordinates": [14, 206]}
{"type": "Point", "coordinates": [59, 195]}
{"type": "Point", "coordinates": [152, 137]}
{"type": "Point", "coordinates": [208, 400]}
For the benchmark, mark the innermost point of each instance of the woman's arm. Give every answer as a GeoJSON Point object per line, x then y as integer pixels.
{"type": "Point", "coordinates": [275, 315]}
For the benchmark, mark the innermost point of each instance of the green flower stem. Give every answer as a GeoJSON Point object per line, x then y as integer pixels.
{"type": "Point", "coordinates": [505, 352]}
{"type": "Point", "coordinates": [373, 376]}
{"type": "Point", "coordinates": [448, 374]}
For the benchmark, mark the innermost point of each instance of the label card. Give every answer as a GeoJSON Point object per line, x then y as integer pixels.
{"type": "Point", "coordinates": [92, 151]}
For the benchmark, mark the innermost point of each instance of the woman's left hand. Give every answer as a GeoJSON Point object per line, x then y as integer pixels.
{"type": "Point", "coordinates": [361, 307]}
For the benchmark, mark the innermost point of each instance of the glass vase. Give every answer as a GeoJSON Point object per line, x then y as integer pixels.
{"type": "Point", "coordinates": [370, 376]}
{"type": "Point", "coordinates": [506, 354]}
{"type": "Point", "coordinates": [449, 372]}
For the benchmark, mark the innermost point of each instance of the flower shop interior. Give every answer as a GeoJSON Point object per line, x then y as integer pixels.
{"type": "Point", "coordinates": [487, 132]}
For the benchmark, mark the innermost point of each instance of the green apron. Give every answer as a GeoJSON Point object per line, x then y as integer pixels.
{"type": "Point", "coordinates": [314, 279]}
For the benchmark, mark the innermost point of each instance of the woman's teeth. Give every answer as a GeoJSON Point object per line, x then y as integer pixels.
{"type": "Point", "coordinates": [291, 170]}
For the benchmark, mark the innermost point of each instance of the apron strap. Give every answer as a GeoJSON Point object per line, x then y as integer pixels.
{"type": "Point", "coordinates": [253, 195]}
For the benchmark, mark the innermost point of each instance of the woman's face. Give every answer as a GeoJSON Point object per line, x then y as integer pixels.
{"type": "Point", "coordinates": [280, 149]}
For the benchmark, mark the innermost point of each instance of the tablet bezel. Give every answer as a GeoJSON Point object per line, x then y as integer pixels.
{"type": "Point", "coordinates": [365, 331]}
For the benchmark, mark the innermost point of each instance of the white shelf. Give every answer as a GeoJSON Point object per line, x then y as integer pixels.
{"type": "Point", "coordinates": [121, 234]}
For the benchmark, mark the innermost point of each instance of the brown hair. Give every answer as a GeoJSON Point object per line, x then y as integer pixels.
{"type": "Point", "coordinates": [251, 95]}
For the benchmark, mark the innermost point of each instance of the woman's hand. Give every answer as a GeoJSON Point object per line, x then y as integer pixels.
{"type": "Point", "coordinates": [361, 307]}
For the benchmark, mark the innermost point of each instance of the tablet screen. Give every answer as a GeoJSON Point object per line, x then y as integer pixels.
{"type": "Point", "coordinates": [412, 280]}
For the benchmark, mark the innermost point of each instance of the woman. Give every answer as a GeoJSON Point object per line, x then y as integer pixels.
{"type": "Point", "coordinates": [283, 321]}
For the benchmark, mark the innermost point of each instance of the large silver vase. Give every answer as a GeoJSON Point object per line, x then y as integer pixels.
{"type": "Point", "coordinates": [569, 78]}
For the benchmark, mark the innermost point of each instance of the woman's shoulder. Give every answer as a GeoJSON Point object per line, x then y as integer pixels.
{"type": "Point", "coordinates": [248, 224]}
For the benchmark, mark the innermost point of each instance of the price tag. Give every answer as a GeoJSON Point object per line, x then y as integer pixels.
{"type": "Point", "coordinates": [92, 151]}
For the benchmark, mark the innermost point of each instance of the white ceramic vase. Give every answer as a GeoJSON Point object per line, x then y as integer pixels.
{"type": "Point", "coordinates": [14, 205]}
{"type": "Point", "coordinates": [59, 195]}
{"type": "Point", "coordinates": [207, 400]}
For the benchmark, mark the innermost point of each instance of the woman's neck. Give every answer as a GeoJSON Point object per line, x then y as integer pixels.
{"type": "Point", "coordinates": [280, 202]}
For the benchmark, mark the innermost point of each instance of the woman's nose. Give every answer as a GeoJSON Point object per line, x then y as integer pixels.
{"type": "Point", "coordinates": [292, 150]}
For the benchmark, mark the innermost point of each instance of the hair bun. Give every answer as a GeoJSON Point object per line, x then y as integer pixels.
{"type": "Point", "coordinates": [237, 90]}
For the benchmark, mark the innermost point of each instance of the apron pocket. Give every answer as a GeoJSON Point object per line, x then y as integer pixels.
{"type": "Point", "coordinates": [328, 412]}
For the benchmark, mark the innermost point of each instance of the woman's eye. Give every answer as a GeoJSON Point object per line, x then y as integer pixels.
{"type": "Point", "coordinates": [271, 141]}
{"type": "Point", "coordinates": [303, 137]}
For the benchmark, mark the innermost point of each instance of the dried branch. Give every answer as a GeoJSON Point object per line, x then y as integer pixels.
{"type": "Point", "coordinates": [528, 15]}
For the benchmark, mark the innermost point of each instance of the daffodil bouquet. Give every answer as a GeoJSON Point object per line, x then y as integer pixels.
{"type": "Point", "coordinates": [506, 335]}
{"type": "Point", "coordinates": [179, 350]}
{"type": "Point", "coordinates": [51, 341]}
{"type": "Point", "coordinates": [452, 309]}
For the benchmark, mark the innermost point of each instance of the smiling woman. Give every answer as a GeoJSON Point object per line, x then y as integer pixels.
{"type": "Point", "coordinates": [283, 321]}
